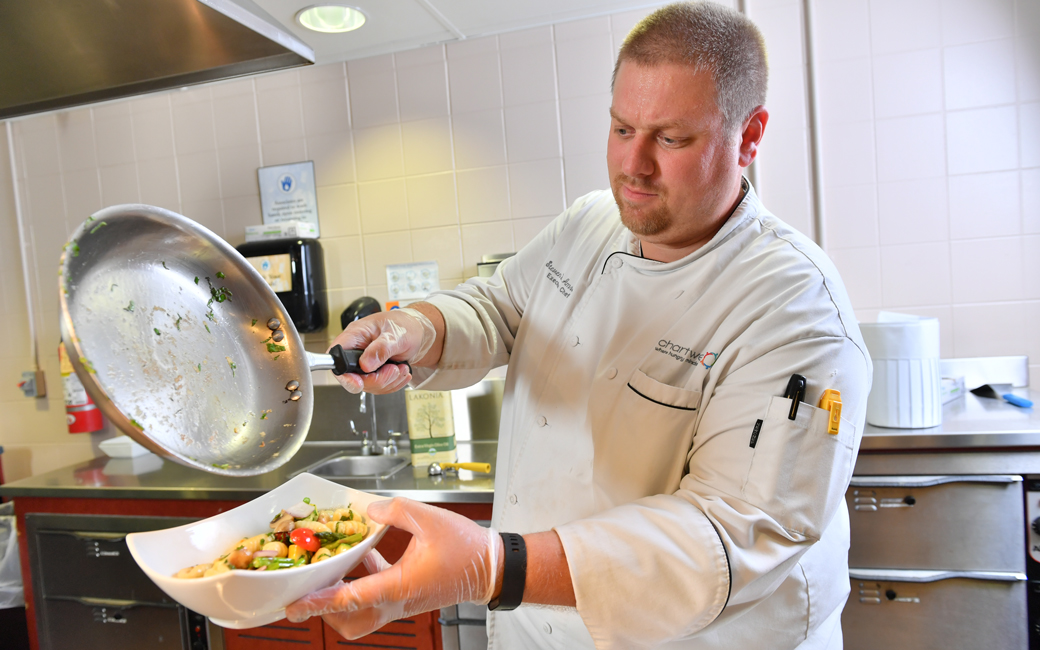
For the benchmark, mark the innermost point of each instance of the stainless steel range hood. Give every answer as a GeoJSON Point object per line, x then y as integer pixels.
{"type": "Point", "coordinates": [60, 53]}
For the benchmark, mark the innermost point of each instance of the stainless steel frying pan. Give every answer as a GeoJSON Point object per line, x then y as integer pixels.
{"type": "Point", "coordinates": [167, 326]}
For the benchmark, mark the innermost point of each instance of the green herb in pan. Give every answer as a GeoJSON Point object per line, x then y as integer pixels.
{"type": "Point", "coordinates": [196, 279]}
{"type": "Point", "coordinates": [164, 265]}
{"type": "Point", "coordinates": [207, 327]}
{"type": "Point", "coordinates": [254, 322]}
{"type": "Point", "coordinates": [220, 274]}
{"type": "Point", "coordinates": [98, 227]}
{"type": "Point", "coordinates": [157, 332]}
{"type": "Point", "coordinates": [129, 307]}
{"type": "Point", "coordinates": [274, 347]}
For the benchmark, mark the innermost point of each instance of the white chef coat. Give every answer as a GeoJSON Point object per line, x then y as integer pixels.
{"type": "Point", "coordinates": [643, 420]}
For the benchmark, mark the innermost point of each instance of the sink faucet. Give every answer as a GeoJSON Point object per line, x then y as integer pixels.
{"type": "Point", "coordinates": [390, 446]}
{"type": "Point", "coordinates": [368, 447]}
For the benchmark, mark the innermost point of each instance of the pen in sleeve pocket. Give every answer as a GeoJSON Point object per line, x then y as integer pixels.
{"type": "Point", "coordinates": [796, 393]}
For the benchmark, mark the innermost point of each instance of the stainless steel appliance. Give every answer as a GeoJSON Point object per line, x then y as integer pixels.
{"type": "Point", "coordinates": [90, 595]}
{"type": "Point", "coordinates": [55, 54]}
{"type": "Point", "coordinates": [936, 562]}
{"type": "Point", "coordinates": [941, 541]}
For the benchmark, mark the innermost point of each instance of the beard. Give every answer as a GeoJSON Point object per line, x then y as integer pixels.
{"type": "Point", "coordinates": [644, 222]}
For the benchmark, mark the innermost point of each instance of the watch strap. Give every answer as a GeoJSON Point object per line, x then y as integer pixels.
{"type": "Point", "coordinates": [514, 575]}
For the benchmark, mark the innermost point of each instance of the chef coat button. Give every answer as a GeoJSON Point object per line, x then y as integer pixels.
{"type": "Point", "coordinates": [512, 499]}
{"type": "Point", "coordinates": [542, 421]}
{"type": "Point", "coordinates": [611, 373]}
{"type": "Point", "coordinates": [574, 341]}
{"type": "Point", "coordinates": [616, 262]}
{"type": "Point", "coordinates": [547, 628]}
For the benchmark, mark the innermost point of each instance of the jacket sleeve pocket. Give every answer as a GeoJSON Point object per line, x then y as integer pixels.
{"type": "Point", "coordinates": [663, 394]}
{"type": "Point", "coordinates": [799, 472]}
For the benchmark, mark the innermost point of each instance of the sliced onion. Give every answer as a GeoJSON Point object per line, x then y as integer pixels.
{"type": "Point", "coordinates": [266, 554]}
{"type": "Point", "coordinates": [300, 510]}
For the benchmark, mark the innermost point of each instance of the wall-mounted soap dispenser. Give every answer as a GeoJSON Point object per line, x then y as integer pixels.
{"type": "Point", "coordinates": [295, 269]}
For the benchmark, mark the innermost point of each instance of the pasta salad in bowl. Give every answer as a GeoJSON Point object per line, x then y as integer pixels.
{"type": "Point", "coordinates": [242, 567]}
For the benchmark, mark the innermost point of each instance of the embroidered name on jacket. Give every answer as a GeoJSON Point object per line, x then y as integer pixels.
{"type": "Point", "coordinates": [555, 276]}
{"type": "Point", "coordinates": [685, 354]}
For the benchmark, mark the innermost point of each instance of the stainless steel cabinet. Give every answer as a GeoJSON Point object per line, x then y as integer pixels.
{"type": "Point", "coordinates": [936, 562]}
{"type": "Point", "coordinates": [89, 594]}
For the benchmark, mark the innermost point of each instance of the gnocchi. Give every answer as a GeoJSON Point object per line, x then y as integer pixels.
{"type": "Point", "coordinates": [300, 535]}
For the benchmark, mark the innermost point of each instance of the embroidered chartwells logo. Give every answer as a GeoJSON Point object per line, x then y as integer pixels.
{"type": "Point", "coordinates": [685, 354]}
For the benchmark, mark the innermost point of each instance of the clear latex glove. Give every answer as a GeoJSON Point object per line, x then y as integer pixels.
{"type": "Point", "coordinates": [450, 560]}
{"type": "Point", "coordinates": [403, 335]}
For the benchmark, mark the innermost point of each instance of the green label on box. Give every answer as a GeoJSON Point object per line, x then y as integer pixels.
{"type": "Point", "coordinates": [433, 445]}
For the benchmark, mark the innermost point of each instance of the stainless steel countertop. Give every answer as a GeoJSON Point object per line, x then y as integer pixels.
{"type": "Point", "coordinates": [969, 423]}
{"type": "Point", "coordinates": [108, 478]}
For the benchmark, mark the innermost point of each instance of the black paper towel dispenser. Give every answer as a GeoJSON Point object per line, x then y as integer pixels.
{"type": "Point", "coordinates": [295, 269]}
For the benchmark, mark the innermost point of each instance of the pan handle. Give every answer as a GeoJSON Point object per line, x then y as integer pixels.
{"type": "Point", "coordinates": [339, 361]}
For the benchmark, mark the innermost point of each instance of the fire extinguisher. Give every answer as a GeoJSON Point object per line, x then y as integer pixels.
{"type": "Point", "coordinates": [81, 413]}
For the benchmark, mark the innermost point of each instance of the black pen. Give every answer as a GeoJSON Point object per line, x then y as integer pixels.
{"type": "Point", "coordinates": [796, 393]}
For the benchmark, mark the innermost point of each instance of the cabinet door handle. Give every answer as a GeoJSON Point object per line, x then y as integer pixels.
{"type": "Point", "coordinates": [913, 575]}
{"type": "Point", "coordinates": [452, 622]}
{"type": "Point", "coordinates": [928, 481]}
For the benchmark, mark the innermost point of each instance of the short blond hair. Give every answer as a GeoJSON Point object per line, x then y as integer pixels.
{"type": "Point", "coordinates": [709, 37]}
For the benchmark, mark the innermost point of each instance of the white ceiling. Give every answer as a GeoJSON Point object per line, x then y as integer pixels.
{"type": "Point", "coordinates": [395, 25]}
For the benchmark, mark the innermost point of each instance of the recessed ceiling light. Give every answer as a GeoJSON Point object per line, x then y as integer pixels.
{"type": "Point", "coordinates": [331, 19]}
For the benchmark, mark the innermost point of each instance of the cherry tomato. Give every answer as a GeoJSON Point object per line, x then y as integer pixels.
{"type": "Point", "coordinates": [305, 539]}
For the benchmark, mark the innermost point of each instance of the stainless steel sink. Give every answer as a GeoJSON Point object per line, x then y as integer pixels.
{"type": "Point", "coordinates": [348, 466]}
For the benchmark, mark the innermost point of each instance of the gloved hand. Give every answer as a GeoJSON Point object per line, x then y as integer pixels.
{"type": "Point", "coordinates": [404, 335]}
{"type": "Point", "coordinates": [450, 560]}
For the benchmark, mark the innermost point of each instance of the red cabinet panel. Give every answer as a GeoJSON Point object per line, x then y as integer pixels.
{"type": "Point", "coordinates": [279, 635]}
{"type": "Point", "coordinates": [416, 633]}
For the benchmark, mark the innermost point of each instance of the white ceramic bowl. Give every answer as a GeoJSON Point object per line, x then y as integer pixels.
{"type": "Point", "coordinates": [241, 599]}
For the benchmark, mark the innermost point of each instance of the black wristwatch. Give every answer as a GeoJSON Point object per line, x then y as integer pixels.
{"type": "Point", "coordinates": [514, 577]}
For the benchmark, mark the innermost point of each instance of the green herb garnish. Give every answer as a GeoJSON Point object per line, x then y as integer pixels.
{"type": "Point", "coordinates": [129, 307]}
{"type": "Point", "coordinates": [274, 347]}
{"type": "Point", "coordinates": [254, 322]}
{"type": "Point", "coordinates": [75, 249]}
{"type": "Point", "coordinates": [196, 279]}
{"type": "Point", "coordinates": [207, 327]}
{"type": "Point", "coordinates": [198, 368]}
{"type": "Point", "coordinates": [136, 424]}
{"type": "Point", "coordinates": [164, 265]}
{"type": "Point", "coordinates": [157, 332]}
{"type": "Point", "coordinates": [177, 323]}
{"type": "Point", "coordinates": [222, 466]}
{"type": "Point", "coordinates": [231, 364]}
{"type": "Point", "coordinates": [220, 274]}
{"type": "Point", "coordinates": [98, 227]}
{"type": "Point", "coordinates": [86, 364]}
{"type": "Point", "coordinates": [263, 416]}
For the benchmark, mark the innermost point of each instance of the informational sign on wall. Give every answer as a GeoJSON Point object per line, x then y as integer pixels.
{"type": "Point", "coordinates": [287, 193]}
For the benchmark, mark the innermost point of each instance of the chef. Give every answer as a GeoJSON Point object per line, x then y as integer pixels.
{"type": "Point", "coordinates": [684, 399]}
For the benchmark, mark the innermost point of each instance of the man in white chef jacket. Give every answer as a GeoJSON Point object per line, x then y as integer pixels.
{"type": "Point", "coordinates": [667, 493]}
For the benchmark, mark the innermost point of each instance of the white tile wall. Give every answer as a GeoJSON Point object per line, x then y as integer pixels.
{"type": "Point", "coordinates": [931, 163]}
